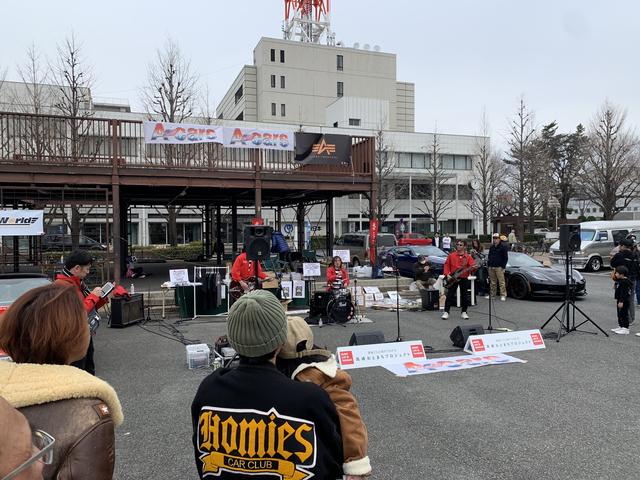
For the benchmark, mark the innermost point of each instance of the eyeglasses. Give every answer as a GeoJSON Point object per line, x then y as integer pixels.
{"type": "Point", "coordinates": [43, 442]}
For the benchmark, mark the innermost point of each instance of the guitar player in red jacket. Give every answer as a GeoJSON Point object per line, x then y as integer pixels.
{"type": "Point", "coordinates": [457, 268]}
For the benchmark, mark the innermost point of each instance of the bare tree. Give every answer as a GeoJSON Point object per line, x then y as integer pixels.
{"type": "Point", "coordinates": [438, 178]}
{"type": "Point", "coordinates": [521, 136]}
{"type": "Point", "coordinates": [610, 178]}
{"type": "Point", "coordinates": [487, 172]}
{"type": "Point", "coordinates": [384, 164]}
{"type": "Point", "coordinates": [73, 79]}
{"type": "Point", "coordinates": [171, 94]}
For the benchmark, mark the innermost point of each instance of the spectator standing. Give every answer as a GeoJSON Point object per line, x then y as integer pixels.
{"type": "Point", "coordinates": [513, 240]}
{"type": "Point", "coordinates": [627, 258]}
{"type": "Point", "coordinates": [446, 243]}
{"type": "Point", "coordinates": [436, 241]}
{"type": "Point", "coordinates": [623, 292]}
{"type": "Point", "coordinates": [76, 268]}
{"type": "Point", "coordinates": [296, 417]}
{"type": "Point", "coordinates": [44, 331]}
{"type": "Point", "coordinates": [497, 262]}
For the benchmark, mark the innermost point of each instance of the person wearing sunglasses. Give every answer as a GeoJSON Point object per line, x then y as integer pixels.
{"type": "Point", "coordinates": [44, 331]}
{"type": "Point", "coordinates": [23, 452]}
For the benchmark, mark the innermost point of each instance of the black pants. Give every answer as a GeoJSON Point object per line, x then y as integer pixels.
{"type": "Point", "coordinates": [623, 315]}
{"type": "Point", "coordinates": [87, 362]}
{"type": "Point", "coordinates": [452, 295]}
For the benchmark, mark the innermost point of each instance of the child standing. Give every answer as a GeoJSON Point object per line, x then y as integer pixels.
{"type": "Point", "coordinates": [622, 295]}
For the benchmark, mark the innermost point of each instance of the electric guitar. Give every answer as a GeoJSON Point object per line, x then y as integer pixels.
{"type": "Point", "coordinates": [453, 279]}
{"type": "Point", "coordinates": [236, 290]}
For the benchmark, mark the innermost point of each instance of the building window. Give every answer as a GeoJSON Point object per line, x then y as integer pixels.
{"type": "Point", "coordinates": [464, 226]}
{"type": "Point", "coordinates": [421, 191]}
{"type": "Point", "coordinates": [238, 94]}
{"type": "Point", "coordinates": [241, 116]}
{"type": "Point", "coordinates": [281, 56]}
{"type": "Point", "coordinates": [340, 63]}
{"type": "Point", "coordinates": [404, 160]}
{"type": "Point", "coordinates": [273, 81]}
{"type": "Point", "coordinates": [448, 192]}
{"type": "Point", "coordinates": [401, 191]}
{"type": "Point", "coordinates": [273, 109]}
{"type": "Point", "coordinates": [462, 162]}
{"type": "Point", "coordinates": [340, 89]}
{"type": "Point", "coordinates": [447, 162]}
{"type": "Point", "coordinates": [417, 160]}
{"type": "Point", "coordinates": [157, 233]}
{"type": "Point", "coordinates": [464, 192]}
{"type": "Point", "coordinates": [273, 54]}
{"type": "Point", "coordinates": [282, 82]}
{"type": "Point", "coordinates": [354, 122]}
{"type": "Point", "coordinates": [283, 110]}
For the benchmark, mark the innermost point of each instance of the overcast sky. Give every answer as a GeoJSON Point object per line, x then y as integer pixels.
{"type": "Point", "coordinates": [565, 56]}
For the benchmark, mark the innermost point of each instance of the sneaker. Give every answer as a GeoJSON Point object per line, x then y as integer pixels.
{"type": "Point", "coordinates": [503, 298]}
{"type": "Point", "coordinates": [487, 297]}
{"type": "Point", "coordinates": [465, 316]}
{"type": "Point", "coordinates": [445, 315]}
{"type": "Point", "coordinates": [638, 334]}
{"type": "Point", "coordinates": [615, 329]}
{"type": "Point", "coordinates": [621, 331]}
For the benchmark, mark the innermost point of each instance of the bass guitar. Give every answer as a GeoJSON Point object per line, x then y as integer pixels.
{"type": "Point", "coordinates": [453, 279]}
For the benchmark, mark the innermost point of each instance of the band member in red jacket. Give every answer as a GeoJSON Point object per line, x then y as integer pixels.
{"type": "Point", "coordinates": [337, 273]}
{"type": "Point", "coordinates": [76, 268]}
{"type": "Point", "coordinates": [460, 265]}
{"type": "Point", "coordinates": [244, 270]}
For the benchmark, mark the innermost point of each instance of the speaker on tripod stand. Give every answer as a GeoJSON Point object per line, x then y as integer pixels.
{"type": "Point", "coordinates": [570, 239]}
{"type": "Point", "coordinates": [257, 242]}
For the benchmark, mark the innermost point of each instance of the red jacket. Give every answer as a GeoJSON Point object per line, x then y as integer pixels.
{"type": "Point", "coordinates": [91, 301]}
{"type": "Point", "coordinates": [331, 275]}
{"type": "Point", "coordinates": [455, 261]}
{"type": "Point", "coordinates": [244, 269]}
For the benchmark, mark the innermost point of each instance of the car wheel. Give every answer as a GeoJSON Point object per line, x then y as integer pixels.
{"type": "Point", "coordinates": [518, 288]}
{"type": "Point", "coordinates": [594, 264]}
{"type": "Point", "coordinates": [355, 262]}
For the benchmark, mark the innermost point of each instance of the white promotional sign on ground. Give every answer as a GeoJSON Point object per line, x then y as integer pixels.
{"type": "Point", "coordinates": [450, 364]}
{"type": "Point", "coordinates": [379, 354]}
{"type": "Point", "coordinates": [181, 133]}
{"type": "Point", "coordinates": [15, 223]}
{"type": "Point", "coordinates": [505, 342]}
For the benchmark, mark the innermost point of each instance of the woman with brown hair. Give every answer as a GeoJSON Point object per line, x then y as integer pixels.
{"type": "Point", "coordinates": [43, 332]}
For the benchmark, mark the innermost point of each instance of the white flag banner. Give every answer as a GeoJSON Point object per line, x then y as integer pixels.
{"type": "Point", "coordinates": [181, 133]}
{"type": "Point", "coordinates": [14, 223]}
{"type": "Point", "coordinates": [236, 137]}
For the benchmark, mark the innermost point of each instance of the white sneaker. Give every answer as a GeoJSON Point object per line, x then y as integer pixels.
{"type": "Point", "coordinates": [638, 334]}
{"type": "Point", "coordinates": [487, 297]}
{"type": "Point", "coordinates": [621, 331]}
{"type": "Point", "coordinates": [503, 298]}
{"type": "Point", "coordinates": [445, 315]}
{"type": "Point", "coordinates": [465, 316]}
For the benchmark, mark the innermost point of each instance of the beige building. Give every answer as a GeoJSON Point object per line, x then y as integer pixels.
{"type": "Point", "coordinates": [300, 83]}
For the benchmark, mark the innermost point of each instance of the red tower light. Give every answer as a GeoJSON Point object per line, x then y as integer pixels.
{"type": "Point", "coordinates": [306, 8]}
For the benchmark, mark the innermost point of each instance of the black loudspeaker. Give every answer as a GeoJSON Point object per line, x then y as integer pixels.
{"type": "Point", "coordinates": [125, 312]}
{"type": "Point", "coordinates": [430, 299]}
{"type": "Point", "coordinates": [460, 334]}
{"type": "Point", "coordinates": [570, 237]}
{"type": "Point", "coordinates": [318, 304]}
{"type": "Point", "coordinates": [366, 338]}
{"type": "Point", "coordinates": [257, 242]}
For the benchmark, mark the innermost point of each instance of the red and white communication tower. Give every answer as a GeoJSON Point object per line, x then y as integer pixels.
{"type": "Point", "coordinates": [308, 21]}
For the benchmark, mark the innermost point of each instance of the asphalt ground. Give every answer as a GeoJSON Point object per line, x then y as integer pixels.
{"type": "Point", "coordinates": [568, 413]}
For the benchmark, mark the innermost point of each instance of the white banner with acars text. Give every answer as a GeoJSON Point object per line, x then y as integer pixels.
{"type": "Point", "coordinates": [15, 223]}
{"type": "Point", "coordinates": [181, 133]}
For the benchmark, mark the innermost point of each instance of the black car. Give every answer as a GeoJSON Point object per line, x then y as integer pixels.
{"type": "Point", "coordinates": [527, 277]}
{"type": "Point", "coordinates": [405, 257]}
{"type": "Point", "coordinates": [63, 242]}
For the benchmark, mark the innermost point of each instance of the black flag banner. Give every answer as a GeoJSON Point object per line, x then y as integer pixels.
{"type": "Point", "coordinates": [319, 149]}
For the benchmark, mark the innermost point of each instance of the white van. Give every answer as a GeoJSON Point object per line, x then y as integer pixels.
{"type": "Point", "coordinates": [598, 238]}
{"type": "Point", "coordinates": [358, 245]}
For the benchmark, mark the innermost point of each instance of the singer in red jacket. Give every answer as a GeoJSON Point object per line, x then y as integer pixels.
{"type": "Point", "coordinates": [336, 273]}
{"type": "Point", "coordinates": [244, 270]}
{"type": "Point", "coordinates": [459, 264]}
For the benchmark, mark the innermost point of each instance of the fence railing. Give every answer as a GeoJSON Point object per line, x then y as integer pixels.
{"type": "Point", "coordinates": [31, 139]}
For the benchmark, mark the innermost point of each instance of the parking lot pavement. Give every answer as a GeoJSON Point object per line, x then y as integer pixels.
{"type": "Point", "coordinates": [569, 412]}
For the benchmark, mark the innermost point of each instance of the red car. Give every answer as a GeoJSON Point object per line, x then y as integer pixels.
{"type": "Point", "coordinates": [413, 239]}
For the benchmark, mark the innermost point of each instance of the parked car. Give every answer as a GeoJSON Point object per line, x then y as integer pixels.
{"type": "Point", "coordinates": [527, 277]}
{"type": "Point", "coordinates": [12, 285]}
{"type": "Point", "coordinates": [413, 239]}
{"type": "Point", "coordinates": [63, 242]}
{"type": "Point", "coordinates": [358, 245]}
{"type": "Point", "coordinates": [405, 258]}
{"type": "Point", "coordinates": [597, 241]}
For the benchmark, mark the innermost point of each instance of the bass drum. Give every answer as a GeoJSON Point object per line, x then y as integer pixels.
{"type": "Point", "coordinates": [340, 309]}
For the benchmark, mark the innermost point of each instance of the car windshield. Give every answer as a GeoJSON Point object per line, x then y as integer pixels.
{"type": "Point", "coordinates": [522, 260]}
{"type": "Point", "coordinates": [587, 235]}
{"type": "Point", "coordinates": [430, 251]}
{"type": "Point", "coordinates": [12, 288]}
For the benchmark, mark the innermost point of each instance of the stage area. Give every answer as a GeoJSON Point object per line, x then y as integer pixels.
{"type": "Point", "coordinates": [568, 413]}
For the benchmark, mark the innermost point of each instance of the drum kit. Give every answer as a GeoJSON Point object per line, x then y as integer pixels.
{"type": "Point", "coordinates": [335, 305]}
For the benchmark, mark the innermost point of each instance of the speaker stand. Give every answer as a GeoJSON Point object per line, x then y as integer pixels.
{"type": "Point", "coordinates": [568, 306]}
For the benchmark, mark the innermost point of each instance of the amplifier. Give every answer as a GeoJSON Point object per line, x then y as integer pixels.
{"type": "Point", "coordinates": [125, 312]}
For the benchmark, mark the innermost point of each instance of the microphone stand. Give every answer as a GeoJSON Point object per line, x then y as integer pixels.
{"type": "Point", "coordinates": [395, 263]}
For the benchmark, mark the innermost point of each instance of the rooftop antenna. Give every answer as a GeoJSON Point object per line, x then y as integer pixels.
{"type": "Point", "coordinates": [308, 21]}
